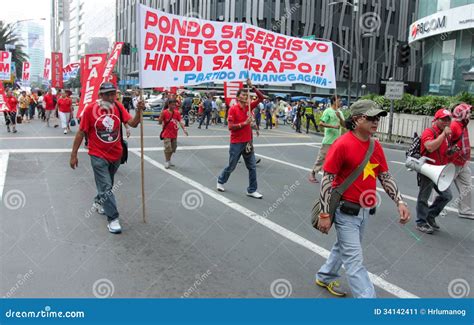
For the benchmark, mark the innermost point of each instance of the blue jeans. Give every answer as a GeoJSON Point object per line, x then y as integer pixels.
{"type": "Point", "coordinates": [422, 209]}
{"type": "Point", "coordinates": [104, 173]}
{"type": "Point", "coordinates": [348, 251]}
{"type": "Point", "coordinates": [235, 151]}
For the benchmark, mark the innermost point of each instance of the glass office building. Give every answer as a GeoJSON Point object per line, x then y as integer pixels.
{"type": "Point", "coordinates": [444, 30]}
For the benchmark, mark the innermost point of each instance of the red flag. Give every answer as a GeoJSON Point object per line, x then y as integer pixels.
{"type": "Point", "coordinates": [47, 68]}
{"type": "Point", "coordinates": [3, 96]}
{"type": "Point", "coordinates": [230, 90]}
{"type": "Point", "coordinates": [25, 74]}
{"type": "Point", "coordinates": [113, 58]}
{"type": "Point", "coordinates": [57, 76]}
{"type": "Point", "coordinates": [91, 74]}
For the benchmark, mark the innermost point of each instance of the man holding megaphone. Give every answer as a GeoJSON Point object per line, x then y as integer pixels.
{"type": "Point", "coordinates": [434, 146]}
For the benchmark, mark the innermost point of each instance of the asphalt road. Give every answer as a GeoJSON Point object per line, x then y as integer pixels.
{"type": "Point", "coordinates": [198, 242]}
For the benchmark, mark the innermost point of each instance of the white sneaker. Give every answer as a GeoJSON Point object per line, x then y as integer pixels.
{"type": "Point", "coordinates": [220, 187]}
{"type": "Point", "coordinates": [98, 208]}
{"type": "Point", "coordinates": [255, 195]}
{"type": "Point", "coordinates": [114, 226]}
{"type": "Point", "coordinates": [167, 165]}
{"type": "Point", "coordinates": [65, 131]}
{"type": "Point", "coordinates": [171, 164]}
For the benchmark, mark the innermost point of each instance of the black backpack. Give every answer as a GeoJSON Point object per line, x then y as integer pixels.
{"type": "Point", "coordinates": [415, 148]}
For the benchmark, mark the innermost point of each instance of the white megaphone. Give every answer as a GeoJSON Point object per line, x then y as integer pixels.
{"type": "Point", "coordinates": [442, 175]}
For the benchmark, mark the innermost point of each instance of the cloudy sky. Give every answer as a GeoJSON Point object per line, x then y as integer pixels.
{"type": "Point", "coordinates": [14, 10]}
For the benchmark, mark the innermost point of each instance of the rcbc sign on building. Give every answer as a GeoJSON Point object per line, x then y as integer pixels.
{"type": "Point", "coordinates": [442, 22]}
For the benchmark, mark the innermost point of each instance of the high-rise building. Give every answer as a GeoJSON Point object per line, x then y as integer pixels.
{"type": "Point", "coordinates": [370, 29]}
{"type": "Point", "coordinates": [444, 30]}
{"type": "Point", "coordinates": [81, 25]}
{"type": "Point", "coordinates": [32, 34]}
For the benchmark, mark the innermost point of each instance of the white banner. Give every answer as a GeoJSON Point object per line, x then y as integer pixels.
{"type": "Point", "coordinates": [183, 51]}
{"type": "Point", "coordinates": [5, 65]}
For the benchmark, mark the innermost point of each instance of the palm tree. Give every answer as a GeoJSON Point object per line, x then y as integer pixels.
{"type": "Point", "coordinates": [8, 36]}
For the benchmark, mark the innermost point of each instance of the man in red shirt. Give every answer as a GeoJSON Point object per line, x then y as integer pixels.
{"type": "Point", "coordinates": [170, 118]}
{"type": "Point", "coordinates": [461, 158]}
{"type": "Point", "coordinates": [10, 115]}
{"type": "Point", "coordinates": [64, 106]}
{"type": "Point", "coordinates": [434, 145]}
{"type": "Point", "coordinates": [102, 122]}
{"type": "Point", "coordinates": [240, 126]}
{"type": "Point", "coordinates": [357, 202]}
{"type": "Point", "coordinates": [49, 107]}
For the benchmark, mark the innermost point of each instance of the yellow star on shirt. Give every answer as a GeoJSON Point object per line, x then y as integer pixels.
{"type": "Point", "coordinates": [369, 170]}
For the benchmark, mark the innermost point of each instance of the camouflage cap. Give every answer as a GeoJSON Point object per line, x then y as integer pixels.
{"type": "Point", "coordinates": [367, 107]}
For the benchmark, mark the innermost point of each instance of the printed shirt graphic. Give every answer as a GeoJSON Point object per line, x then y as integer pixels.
{"type": "Point", "coordinates": [171, 131]}
{"type": "Point", "coordinates": [344, 156]}
{"type": "Point", "coordinates": [102, 126]}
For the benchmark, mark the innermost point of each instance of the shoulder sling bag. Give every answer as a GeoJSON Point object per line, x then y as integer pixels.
{"type": "Point", "coordinates": [337, 192]}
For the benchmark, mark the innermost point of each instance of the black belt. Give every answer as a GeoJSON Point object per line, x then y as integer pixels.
{"type": "Point", "coordinates": [353, 209]}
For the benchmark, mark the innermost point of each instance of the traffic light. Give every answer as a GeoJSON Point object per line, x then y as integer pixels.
{"type": "Point", "coordinates": [403, 54]}
{"type": "Point", "coordinates": [126, 49]}
{"type": "Point", "coordinates": [345, 71]}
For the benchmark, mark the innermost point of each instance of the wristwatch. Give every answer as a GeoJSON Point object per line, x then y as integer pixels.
{"type": "Point", "coordinates": [402, 202]}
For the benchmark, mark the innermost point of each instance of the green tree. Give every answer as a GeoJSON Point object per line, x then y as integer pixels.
{"type": "Point", "coordinates": [8, 36]}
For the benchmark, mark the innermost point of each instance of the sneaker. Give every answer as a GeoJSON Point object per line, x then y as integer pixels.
{"type": "Point", "coordinates": [114, 226]}
{"type": "Point", "coordinates": [432, 222]}
{"type": "Point", "coordinates": [172, 165]}
{"type": "Point", "coordinates": [220, 187]}
{"type": "Point", "coordinates": [14, 131]}
{"type": "Point", "coordinates": [98, 208]}
{"type": "Point", "coordinates": [425, 227]}
{"type": "Point", "coordinates": [65, 131]}
{"type": "Point", "coordinates": [312, 178]}
{"type": "Point", "coordinates": [332, 287]}
{"type": "Point", "coordinates": [255, 195]}
{"type": "Point", "coordinates": [466, 215]}
{"type": "Point", "coordinates": [167, 165]}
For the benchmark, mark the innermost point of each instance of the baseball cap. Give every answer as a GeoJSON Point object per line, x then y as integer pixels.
{"type": "Point", "coordinates": [462, 111]}
{"type": "Point", "coordinates": [367, 107]}
{"type": "Point", "coordinates": [107, 87]}
{"type": "Point", "coordinates": [442, 113]}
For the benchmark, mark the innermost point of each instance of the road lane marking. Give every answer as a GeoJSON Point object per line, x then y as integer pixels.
{"type": "Point", "coordinates": [184, 148]}
{"type": "Point", "coordinates": [155, 137]}
{"type": "Point", "coordinates": [378, 281]}
{"type": "Point", "coordinates": [3, 171]}
{"type": "Point", "coordinates": [405, 196]}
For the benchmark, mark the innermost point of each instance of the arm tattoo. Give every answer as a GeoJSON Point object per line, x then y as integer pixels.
{"type": "Point", "coordinates": [325, 192]}
{"type": "Point", "coordinates": [390, 186]}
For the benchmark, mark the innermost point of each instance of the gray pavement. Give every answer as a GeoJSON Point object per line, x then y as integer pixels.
{"type": "Point", "coordinates": [197, 242]}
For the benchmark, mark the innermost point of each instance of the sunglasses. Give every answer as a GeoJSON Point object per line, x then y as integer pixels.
{"type": "Point", "coordinates": [372, 118]}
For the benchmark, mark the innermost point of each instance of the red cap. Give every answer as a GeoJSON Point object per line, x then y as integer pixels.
{"type": "Point", "coordinates": [442, 113]}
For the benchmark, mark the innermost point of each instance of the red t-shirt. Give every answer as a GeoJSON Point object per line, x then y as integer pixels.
{"type": "Point", "coordinates": [171, 130]}
{"type": "Point", "coordinates": [458, 129]}
{"type": "Point", "coordinates": [237, 115]}
{"type": "Point", "coordinates": [64, 105]}
{"type": "Point", "coordinates": [102, 126]}
{"type": "Point", "coordinates": [344, 156]}
{"type": "Point", "coordinates": [48, 102]}
{"type": "Point", "coordinates": [11, 102]}
{"type": "Point", "coordinates": [439, 156]}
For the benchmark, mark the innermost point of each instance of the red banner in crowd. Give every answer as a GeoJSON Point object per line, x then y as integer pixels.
{"type": "Point", "coordinates": [57, 76]}
{"type": "Point", "coordinates": [25, 74]}
{"type": "Point", "coordinates": [47, 68]}
{"type": "Point", "coordinates": [92, 71]}
{"type": "Point", "coordinates": [113, 58]}
{"type": "Point", "coordinates": [3, 96]}
{"type": "Point", "coordinates": [230, 90]}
